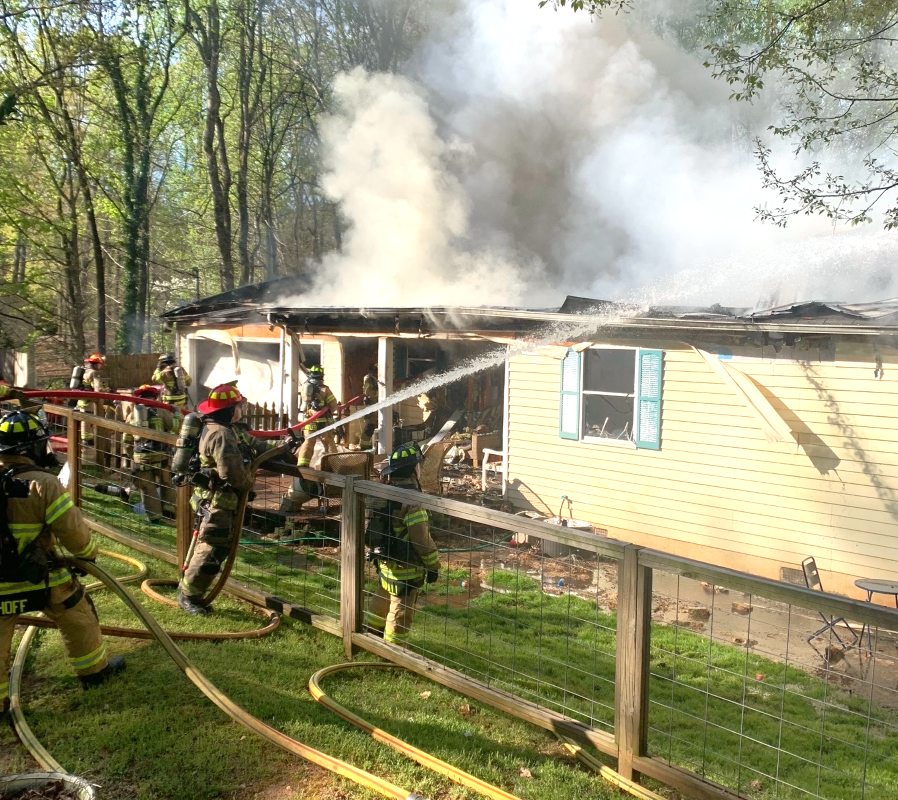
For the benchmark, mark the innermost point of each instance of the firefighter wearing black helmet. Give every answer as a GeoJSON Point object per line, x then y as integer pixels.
{"type": "Point", "coordinates": [40, 515]}
{"type": "Point", "coordinates": [316, 395]}
{"type": "Point", "coordinates": [402, 550]}
{"type": "Point", "coordinates": [174, 379]}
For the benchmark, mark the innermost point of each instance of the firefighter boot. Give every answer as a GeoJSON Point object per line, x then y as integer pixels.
{"type": "Point", "coordinates": [192, 605]}
{"type": "Point", "coordinates": [116, 664]}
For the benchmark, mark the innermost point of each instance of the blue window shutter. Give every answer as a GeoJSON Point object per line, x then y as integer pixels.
{"type": "Point", "coordinates": [648, 430]}
{"type": "Point", "coordinates": [569, 416]}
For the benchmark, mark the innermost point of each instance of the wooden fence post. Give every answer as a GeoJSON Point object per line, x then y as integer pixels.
{"type": "Point", "coordinates": [73, 455]}
{"type": "Point", "coordinates": [352, 564]}
{"type": "Point", "coordinates": [631, 684]}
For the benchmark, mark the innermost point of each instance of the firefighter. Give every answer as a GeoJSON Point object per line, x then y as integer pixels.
{"type": "Point", "coordinates": [226, 476]}
{"type": "Point", "coordinates": [39, 514]}
{"type": "Point", "coordinates": [149, 458]}
{"type": "Point", "coordinates": [402, 551]}
{"type": "Point", "coordinates": [174, 379]}
{"type": "Point", "coordinates": [370, 392]}
{"type": "Point", "coordinates": [90, 378]}
{"type": "Point", "coordinates": [315, 396]}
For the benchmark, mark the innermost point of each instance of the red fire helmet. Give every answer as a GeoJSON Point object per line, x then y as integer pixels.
{"type": "Point", "coordinates": [147, 390]}
{"type": "Point", "coordinates": [220, 397]}
{"type": "Point", "coordinates": [95, 358]}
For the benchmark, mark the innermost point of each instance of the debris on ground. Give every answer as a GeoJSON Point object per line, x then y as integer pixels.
{"type": "Point", "coordinates": [54, 790]}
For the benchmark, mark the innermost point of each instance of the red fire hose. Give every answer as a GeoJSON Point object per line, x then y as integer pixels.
{"type": "Point", "coordinates": [315, 416]}
{"type": "Point", "coordinates": [79, 394]}
{"type": "Point", "coordinates": [82, 395]}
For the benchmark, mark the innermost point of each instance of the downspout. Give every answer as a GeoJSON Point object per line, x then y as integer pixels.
{"type": "Point", "coordinates": [506, 402]}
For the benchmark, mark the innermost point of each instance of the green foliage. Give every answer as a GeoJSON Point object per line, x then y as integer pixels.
{"type": "Point", "coordinates": [109, 115]}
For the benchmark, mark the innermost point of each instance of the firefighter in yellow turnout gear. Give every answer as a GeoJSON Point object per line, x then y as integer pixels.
{"type": "Point", "coordinates": [148, 457]}
{"type": "Point", "coordinates": [401, 549]}
{"type": "Point", "coordinates": [90, 378]}
{"type": "Point", "coordinates": [40, 515]}
{"type": "Point", "coordinates": [316, 395]}
{"type": "Point", "coordinates": [226, 477]}
{"type": "Point", "coordinates": [174, 379]}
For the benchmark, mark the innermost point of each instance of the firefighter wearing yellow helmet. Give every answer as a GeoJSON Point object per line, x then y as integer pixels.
{"type": "Point", "coordinates": [225, 478]}
{"type": "Point", "coordinates": [36, 516]}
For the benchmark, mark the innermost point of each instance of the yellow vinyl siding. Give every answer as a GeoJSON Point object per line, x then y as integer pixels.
{"type": "Point", "coordinates": [717, 490]}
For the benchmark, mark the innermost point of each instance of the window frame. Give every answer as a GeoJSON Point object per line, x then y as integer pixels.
{"type": "Point", "coordinates": [629, 443]}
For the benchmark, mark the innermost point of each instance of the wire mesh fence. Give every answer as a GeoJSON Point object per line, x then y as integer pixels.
{"type": "Point", "coordinates": [125, 482]}
{"type": "Point", "coordinates": [766, 689]}
{"type": "Point", "coordinates": [502, 611]}
{"type": "Point", "coordinates": [764, 697]}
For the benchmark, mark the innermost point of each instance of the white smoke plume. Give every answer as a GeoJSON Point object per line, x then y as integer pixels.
{"type": "Point", "coordinates": [408, 240]}
{"type": "Point", "coordinates": [540, 153]}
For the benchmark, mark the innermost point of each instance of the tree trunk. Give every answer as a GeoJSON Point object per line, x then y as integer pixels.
{"type": "Point", "coordinates": [207, 35]}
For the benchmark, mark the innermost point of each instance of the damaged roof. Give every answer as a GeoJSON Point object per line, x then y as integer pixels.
{"type": "Point", "coordinates": [238, 305]}
{"type": "Point", "coordinates": [263, 303]}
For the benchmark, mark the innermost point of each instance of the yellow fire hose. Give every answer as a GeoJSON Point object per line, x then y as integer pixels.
{"type": "Point", "coordinates": [235, 712]}
{"type": "Point", "coordinates": [238, 714]}
{"type": "Point", "coordinates": [441, 767]}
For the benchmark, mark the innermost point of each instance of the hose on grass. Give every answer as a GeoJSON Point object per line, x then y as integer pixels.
{"type": "Point", "coordinates": [435, 764]}
{"type": "Point", "coordinates": [235, 712]}
{"type": "Point", "coordinates": [238, 714]}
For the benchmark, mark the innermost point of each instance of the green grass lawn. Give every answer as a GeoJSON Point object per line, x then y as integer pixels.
{"type": "Point", "coordinates": [151, 734]}
{"type": "Point", "coordinates": [788, 735]}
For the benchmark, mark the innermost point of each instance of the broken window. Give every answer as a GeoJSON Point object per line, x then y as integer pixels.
{"type": "Point", "coordinates": [609, 393]}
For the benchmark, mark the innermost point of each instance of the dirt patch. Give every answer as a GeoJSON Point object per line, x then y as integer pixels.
{"type": "Point", "coordinates": [304, 782]}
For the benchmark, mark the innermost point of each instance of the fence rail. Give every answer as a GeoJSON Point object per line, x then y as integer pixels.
{"type": "Point", "coordinates": [716, 682]}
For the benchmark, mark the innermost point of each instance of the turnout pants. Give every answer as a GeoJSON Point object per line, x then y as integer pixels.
{"type": "Point", "coordinates": [210, 553]}
{"type": "Point", "coordinates": [71, 610]}
{"type": "Point", "coordinates": [370, 422]}
{"type": "Point", "coordinates": [392, 614]}
{"type": "Point", "coordinates": [155, 489]}
{"type": "Point", "coordinates": [304, 455]}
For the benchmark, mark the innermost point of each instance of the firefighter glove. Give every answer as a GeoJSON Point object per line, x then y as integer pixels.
{"type": "Point", "coordinates": [433, 575]}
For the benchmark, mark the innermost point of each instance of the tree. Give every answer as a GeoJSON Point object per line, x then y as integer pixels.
{"type": "Point", "coordinates": [135, 44]}
{"type": "Point", "coordinates": [841, 96]}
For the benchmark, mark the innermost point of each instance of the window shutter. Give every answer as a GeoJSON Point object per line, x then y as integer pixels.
{"type": "Point", "coordinates": [569, 417]}
{"type": "Point", "coordinates": [648, 430]}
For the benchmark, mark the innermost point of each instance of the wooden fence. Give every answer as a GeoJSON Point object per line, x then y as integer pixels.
{"type": "Point", "coordinates": [263, 418]}
{"type": "Point", "coordinates": [650, 677]}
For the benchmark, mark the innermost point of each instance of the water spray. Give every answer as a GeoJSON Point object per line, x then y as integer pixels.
{"type": "Point", "coordinates": [551, 334]}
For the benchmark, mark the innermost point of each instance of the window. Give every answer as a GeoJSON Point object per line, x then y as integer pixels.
{"type": "Point", "coordinates": [609, 394]}
{"type": "Point", "coordinates": [612, 394]}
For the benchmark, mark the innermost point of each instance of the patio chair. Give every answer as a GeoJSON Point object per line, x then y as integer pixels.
{"type": "Point", "coordinates": [812, 579]}
{"type": "Point", "coordinates": [432, 468]}
{"type": "Point", "coordinates": [353, 463]}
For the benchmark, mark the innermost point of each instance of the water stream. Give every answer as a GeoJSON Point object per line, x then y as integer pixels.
{"type": "Point", "coordinates": [557, 332]}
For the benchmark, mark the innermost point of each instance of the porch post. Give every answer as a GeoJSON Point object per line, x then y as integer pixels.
{"type": "Point", "coordinates": [385, 389]}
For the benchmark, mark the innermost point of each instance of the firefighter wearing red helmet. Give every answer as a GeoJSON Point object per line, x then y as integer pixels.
{"type": "Point", "coordinates": [89, 378]}
{"type": "Point", "coordinates": [149, 457]}
{"type": "Point", "coordinates": [225, 477]}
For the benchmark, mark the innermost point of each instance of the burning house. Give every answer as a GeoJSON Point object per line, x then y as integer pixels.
{"type": "Point", "coordinates": [748, 439]}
